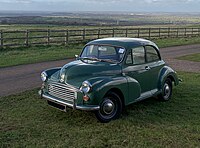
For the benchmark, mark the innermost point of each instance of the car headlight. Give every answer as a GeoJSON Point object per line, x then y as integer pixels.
{"type": "Point", "coordinates": [44, 76]}
{"type": "Point", "coordinates": [86, 87]}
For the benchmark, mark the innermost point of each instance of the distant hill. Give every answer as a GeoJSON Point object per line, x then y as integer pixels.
{"type": "Point", "coordinates": [97, 18]}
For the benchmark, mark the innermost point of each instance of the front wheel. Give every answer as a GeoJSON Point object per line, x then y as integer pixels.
{"type": "Point", "coordinates": [166, 90]}
{"type": "Point", "coordinates": [110, 108]}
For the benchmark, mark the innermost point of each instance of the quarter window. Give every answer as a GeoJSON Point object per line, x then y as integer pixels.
{"type": "Point", "coordinates": [152, 54]}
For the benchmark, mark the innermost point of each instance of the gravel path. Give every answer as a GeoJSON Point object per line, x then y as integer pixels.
{"type": "Point", "coordinates": [169, 54]}
{"type": "Point", "coordinates": [25, 77]}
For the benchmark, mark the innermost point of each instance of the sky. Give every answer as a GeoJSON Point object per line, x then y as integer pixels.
{"type": "Point", "coordinates": [101, 5]}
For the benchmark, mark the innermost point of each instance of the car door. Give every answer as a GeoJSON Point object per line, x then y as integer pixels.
{"type": "Point", "coordinates": [154, 64]}
{"type": "Point", "coordinates": [137, 68]}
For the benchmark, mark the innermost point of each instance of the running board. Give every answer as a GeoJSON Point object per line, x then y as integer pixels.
{"type": "Point", "coordinates": [147, 94]}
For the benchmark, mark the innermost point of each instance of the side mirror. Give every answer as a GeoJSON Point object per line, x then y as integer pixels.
{"type": "Point", "coordinates": [76, 56]}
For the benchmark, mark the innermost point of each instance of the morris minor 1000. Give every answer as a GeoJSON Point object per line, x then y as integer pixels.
{"type": "Point", "coordinates": [109, 74]}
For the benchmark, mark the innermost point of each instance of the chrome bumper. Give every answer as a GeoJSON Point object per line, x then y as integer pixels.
{"type": "Point", "coordinates": [74, 106]}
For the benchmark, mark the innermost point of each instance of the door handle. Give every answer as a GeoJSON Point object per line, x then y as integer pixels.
{"type": "Point", "coordinates": [147, 68]}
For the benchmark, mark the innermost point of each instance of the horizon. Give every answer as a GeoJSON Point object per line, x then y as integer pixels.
{"type": "Point", "coordinates": [97, 12]}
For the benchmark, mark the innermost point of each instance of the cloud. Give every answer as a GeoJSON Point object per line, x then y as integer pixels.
{"type": "Point", "coordinates": [103, 5]}
{"type": "Point", "coordinates": [102, 1]}
{"type": "Point", "coordinates": [146, 1]}
{"type": "Point", "coordinates": [32, 1]}
{"type": "Point", "coordinates": [170, 1]}
{"type": "Point", "coordinates": [17, 1]}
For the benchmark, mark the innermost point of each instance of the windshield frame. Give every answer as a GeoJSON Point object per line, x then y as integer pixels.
{"type": "Point", "coordinates": [117, 62]}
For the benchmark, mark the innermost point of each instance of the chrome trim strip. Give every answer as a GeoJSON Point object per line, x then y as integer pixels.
{"type": "Point", "coordinates": [74, 106]}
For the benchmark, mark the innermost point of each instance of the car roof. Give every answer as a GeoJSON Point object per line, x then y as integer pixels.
{"type": "Point", "coordinates": [123, 42]}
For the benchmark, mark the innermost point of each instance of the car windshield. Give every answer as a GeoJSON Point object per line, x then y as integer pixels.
{"type": "Point", "coordinates": [103, 53]}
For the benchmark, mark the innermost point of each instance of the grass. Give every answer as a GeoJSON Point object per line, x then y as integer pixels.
{"type": "Point", "coordinates": [192, 57]}
{"type": "Point", "coordinates": [168, 42]}
{"type": "Point", "coordinates": [18, 56]}
{"type": "Point", "coordinates": [11, 27]}
{"type": "Point", "coordinates": [35, 54]}
{"type": "Point", "coordinates": [27, 121]}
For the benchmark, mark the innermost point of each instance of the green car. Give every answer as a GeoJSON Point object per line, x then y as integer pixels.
{"type": "Point", "coordinates": [109, 74]}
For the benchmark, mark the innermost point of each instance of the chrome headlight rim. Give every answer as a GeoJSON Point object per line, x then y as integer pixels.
{"type": "Point", "coordinates": [43, 76]}
{"type": "Point", "coordinates": [86, 87]}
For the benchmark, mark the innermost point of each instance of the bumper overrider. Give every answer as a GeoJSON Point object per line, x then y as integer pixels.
{"type": "Point", "coordinates": [55, 102]}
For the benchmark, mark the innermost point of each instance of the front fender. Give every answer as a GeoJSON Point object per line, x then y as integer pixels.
{"type": "Point", "coordinates": [101, 85]}
{"type": "Point", "coordinates": [51, 71]}
{"type": "Point", "coordinates": [166, 72]}
{"type": "Point", "coordinates": [128, 87]}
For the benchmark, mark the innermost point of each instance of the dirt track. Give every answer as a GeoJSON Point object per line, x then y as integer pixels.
{"type": "Point", "coordinates": [169, 54]}
{"type": "Point", "coordinates": [25, 77]}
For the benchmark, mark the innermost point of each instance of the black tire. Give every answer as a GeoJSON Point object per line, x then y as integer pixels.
{"type": "Point", "coordinates": [110, 108]}
{"type": "Point", "coordinates": [166, 90]}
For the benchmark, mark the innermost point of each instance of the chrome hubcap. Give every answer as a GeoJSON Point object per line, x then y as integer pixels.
{"type": "Point", "coordinates": [108, 107]}
{"type": "Point", "coordinates": [166, 90]}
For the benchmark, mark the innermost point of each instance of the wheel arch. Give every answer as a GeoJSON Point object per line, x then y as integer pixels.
{"type": "Point", "coordinates": [171, 78]}
{"type": "Point", "coordinates": [118, 92]}
{"type": "Point", "coordinates": [165, 73]}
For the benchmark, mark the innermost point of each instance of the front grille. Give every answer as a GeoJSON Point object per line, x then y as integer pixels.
{"type": "Point", "coordinates": [62, 91]}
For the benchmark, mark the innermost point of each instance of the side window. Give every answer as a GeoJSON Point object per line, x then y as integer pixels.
{"type": "Point", "coordinates": [136, 56]}
{"type": "Point", "coordinates": [152, 54]}
{"type": "Point", "coordinates": [129, 58]}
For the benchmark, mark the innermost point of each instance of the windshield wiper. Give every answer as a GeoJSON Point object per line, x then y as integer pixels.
{"type": "Point", "coordinates": [108, 60]}
{"type": "Point", "coordinates": [88, 58]}
{"type": "Point", "coordinates": [96, 59]}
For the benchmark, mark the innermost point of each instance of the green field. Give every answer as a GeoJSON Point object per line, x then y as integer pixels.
{"type": "Point", "coordinates": [35, 54]}
{"type": "Point", "coordinates": [169, 42]}
{"type": "Point", "coordinates": [27, 121]}
{"type": "Point", "coordinates": [60, 27]}
{"type": "Point", "coordinates": [191, 57]}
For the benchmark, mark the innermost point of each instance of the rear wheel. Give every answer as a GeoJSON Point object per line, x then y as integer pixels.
{"type": "Point", "coordinates": [166, 90]}
{"type": "Point", "coordinates": [110, 108]}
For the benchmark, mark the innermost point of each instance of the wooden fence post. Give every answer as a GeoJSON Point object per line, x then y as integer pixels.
{"type": "Point", "coordinates": [149, 33]}
{"type": "Point", "coordinates": [48, 36]}
{"type": "Point", "coordinates": [27, 38]}
{"type": "Point", "coordinates": [192, 31]}
{"type": "Point", "coordinates": [138, 32]}
{"type": "Point", "coordinates": [83, 34]}
{"type": "Point", "coordinates": [199, 31]}
{"type": "Point", "coordinates": [177, 32]}
{"type": "Point", "coordinates": [168, 32]}
{"type": "Point", "coordinates": [66, 36]}
{"type": "Point", "coordinates": [185, 33]}
{"type": "Point", "coordinates": [113, 32]}
{"type": "Point", "coordinates": [99, 32]}
{"type": "Point", "coordinates": [126, 32]}
{"type": "Point", "coordinates": [1, 35]}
